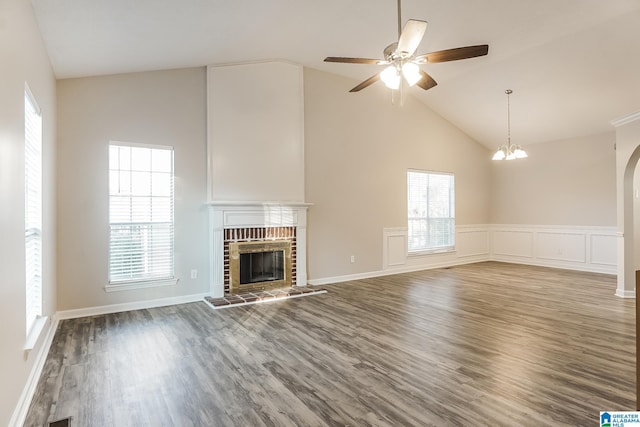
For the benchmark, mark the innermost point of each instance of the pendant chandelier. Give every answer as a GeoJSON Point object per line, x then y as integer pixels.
{"type": "Point", "coordinates": [509, 151]}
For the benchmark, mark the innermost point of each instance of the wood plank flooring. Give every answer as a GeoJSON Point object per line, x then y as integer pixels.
{"type": "Point", "coordinates": [475, 345]}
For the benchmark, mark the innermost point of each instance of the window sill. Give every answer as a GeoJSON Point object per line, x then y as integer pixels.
{"type": "Point", "coordinates": [35, 332]}
{"type": "Point", "coordinates": [432, 252]}
{"type": "Point", "coordinates": [139, 284]}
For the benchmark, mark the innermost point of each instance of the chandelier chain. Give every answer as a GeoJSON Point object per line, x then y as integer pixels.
{"type": "Point", "coordinates": [509, 151]}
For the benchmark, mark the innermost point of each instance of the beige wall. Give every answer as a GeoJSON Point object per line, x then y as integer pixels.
{"type": "Point", "coordinates": [256, 132]}
{"type": "Point", "coordinates": [23, 60]}
{"type": "Point", "coordinates": [163, 107]}
{"type": "Point", "coordinates": [571, 182]}
{"type": "Point", "coordinates": [358, 148]}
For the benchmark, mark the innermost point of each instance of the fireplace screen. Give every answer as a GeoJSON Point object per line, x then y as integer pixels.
{"type": "Point", "coordinates": [259, 265]}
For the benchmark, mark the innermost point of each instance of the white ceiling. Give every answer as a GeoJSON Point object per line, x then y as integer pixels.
{"type": "Point", "coordinates": [573, 65]}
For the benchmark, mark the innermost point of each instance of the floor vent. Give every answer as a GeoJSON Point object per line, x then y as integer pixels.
{"type": "Point", "coordinates": [66, 422]}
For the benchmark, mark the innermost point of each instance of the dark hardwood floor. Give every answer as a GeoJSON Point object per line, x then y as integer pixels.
{"type": "Point", "coordinates": [475, 345]}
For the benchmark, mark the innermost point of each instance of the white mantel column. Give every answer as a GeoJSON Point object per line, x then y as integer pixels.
{"type": "Point", "coordinates": [216, 252]}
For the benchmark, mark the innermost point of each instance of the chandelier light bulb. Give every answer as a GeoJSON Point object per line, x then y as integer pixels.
{"type": "Point", "coordinates": [499, 155]}
{"type": "Point", "coordinates": [520, 153]}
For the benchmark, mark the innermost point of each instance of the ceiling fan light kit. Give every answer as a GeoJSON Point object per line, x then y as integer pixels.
{"type": "Point", "coordinates": [509, 151]}
{"type": "Point", "coordinates": [390, 77]}
{"type": "Point", "coordinates": [411, 73]}
{"type": "Point", "coordinates": [403, 64]}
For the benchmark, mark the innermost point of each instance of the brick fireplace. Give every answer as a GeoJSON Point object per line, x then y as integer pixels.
{"type": "Point", "coordinates": [259, 258]}
{"type": "Point", "coordinates": [257, 227]}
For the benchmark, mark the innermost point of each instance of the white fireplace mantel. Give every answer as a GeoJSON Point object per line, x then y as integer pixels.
{"type": "Point", "coordinates": [233, 214]}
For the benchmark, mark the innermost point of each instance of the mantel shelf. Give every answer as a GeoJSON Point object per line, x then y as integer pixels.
{"type": "Point", "coordinates": [229, 203]}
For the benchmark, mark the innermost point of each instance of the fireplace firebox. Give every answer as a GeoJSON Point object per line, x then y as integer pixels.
{"type": "Point", "coordinates": [256, 267]}
{"type": "Point", "coordinates": [259, 265]}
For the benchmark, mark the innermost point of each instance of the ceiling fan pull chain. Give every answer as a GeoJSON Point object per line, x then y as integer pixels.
{"type": "Point", "coordinates": [508, 92]}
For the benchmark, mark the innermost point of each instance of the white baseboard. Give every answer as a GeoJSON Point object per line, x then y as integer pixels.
{"type": "Point", "coordinates": [345, 278]}
{"type": "Point", "coordinates": [625, 294]}
{"type": "Point", "coordinates": [138, 305]}
{"type": "Point", "coordinates": [20, 413]}
{"type": "Point", "coordinates": [587, 268]}
{"type": "Point", "coordinates": [391, 271]}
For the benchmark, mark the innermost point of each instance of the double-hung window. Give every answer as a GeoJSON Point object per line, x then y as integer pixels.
{"type": "Point", "coordinates": [140, 215]}
{"type": "Point", "coordinates": [431, 211]}
{"type": "Point", "coordinates": [32, 209]}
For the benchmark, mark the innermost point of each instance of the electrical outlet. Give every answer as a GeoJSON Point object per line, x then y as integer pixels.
{"type": "Point", "coordinates": [194, 274]}
{"type": "Point", "coordinates": [353, 259]}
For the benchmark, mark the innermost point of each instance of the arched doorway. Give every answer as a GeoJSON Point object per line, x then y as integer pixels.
{"type": "Point", "coordinates": [627, 260]}
{"type": "Point", "coordinates": [627, 155]}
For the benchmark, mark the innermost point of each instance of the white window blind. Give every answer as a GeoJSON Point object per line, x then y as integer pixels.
{"type": "Point", "coordinates": [431, 211]}
{"type": "Point", "coordinates": [32, 209]}
{"type": "Point", "coordinates": [140, 213]}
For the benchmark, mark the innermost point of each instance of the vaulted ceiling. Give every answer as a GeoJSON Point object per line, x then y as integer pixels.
{"type": "Point", "coordinates": [573, 65]}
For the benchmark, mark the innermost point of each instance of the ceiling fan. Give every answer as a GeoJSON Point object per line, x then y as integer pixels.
{"type": "Point", "coordinates": [402, 62]}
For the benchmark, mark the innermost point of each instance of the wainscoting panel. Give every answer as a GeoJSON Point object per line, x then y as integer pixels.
{"type": "Point", "coordinates": [394, 247]}
{"type": "Point", "coordinates": [472, 241]}
{"type": "Point", "coordinates": [472, 245]}
{"type": "Point", "coordinates": [603, 249]}
{"type": "Point", "coordinates": [513, 243]}
{"type": "Point", "coordinates": [570, 247]}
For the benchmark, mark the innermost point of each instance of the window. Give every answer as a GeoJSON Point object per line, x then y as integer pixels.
{"type": "Point", "coordinates": [32, 209]}
{"type": "Point", "coordinates": [140, 214]}
{"type": "Point", "coordinates": [431, 211]}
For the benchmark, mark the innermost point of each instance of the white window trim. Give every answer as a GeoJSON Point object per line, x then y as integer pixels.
{"type": "Point", "coordinates": [141, 145]}
{"type": "Point", "coordinates": [34, 327]}
{"type": "Point", "coordinates": [128, 285]}
{"type": "Point", "coordinates": [33, 99]}
{"type": "Point", "coordinates": [421, 252]}
{"type": "Point", "coordinates": [35, 332]}
{"type": "Point", "coordinates": [139, 284]}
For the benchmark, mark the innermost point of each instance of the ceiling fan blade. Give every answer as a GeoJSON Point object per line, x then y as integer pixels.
{"type": "Point", "coordinates": [355, 60]}
{"type": "Point", "coordinates": [454, 54]}
{"type": "Point", "coordinates": [371, 80]}
{"type": "Point", "coordinates": [426, 82]}
{"type": "Point", "coordinates": [411, 36]}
